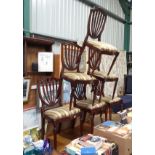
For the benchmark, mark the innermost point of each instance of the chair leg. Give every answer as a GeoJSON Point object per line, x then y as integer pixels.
{"type": "Point", "coordinates": [73, 123]}
{"type": "Point", "coordinates": [59, 127]}
{"type": "Point", "coordinates": [106, 112]}
{"type": "Point", "coordinates": [101, 117]}
{"type": "Point", "coordinates": [110, 112]}
{"type": "Point", "coordinates": [92, 123]}
{"type": "Point", "coordinates": [43, 128]}
{"type": "Point", "coordinates": [81, 124]}
{"type": "Point", "coordinates": [55, 136]}
{"type": "Point", "coordinates": [82, 120]}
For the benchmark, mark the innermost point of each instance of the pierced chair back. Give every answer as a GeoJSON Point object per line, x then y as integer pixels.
{"type": "Point", "coordinates": [96, 23]}
{"type": "Point", "coordinates": [49, 91]}
{"type": "Point", "coordinates": [94, 61]}
{"type": "Point", "coordinates": [70, 57]}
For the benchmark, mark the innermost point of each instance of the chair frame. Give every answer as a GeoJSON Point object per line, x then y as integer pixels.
{"type": "Point", "coordinates": [95, 54]}
{"type": "Point", "coordinates": [94, 30]}
{"type": "Point", "coordinates": [80, 94]}
{"type": "Point", "coordinates": [70, 58]}
{"type": "Point", "coordinates": [52, 100]}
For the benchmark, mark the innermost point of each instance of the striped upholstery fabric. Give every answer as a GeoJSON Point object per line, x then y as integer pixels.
{"type": "Point", "coordinates": [103, 75]}
{"type": "Point", "coordinates": [78, 76]}
{"type": "Point", "coordinates": [61, 112]}
{"type": "Point", "coordinates": [88, 104]}
{"type": "Point", "coordinates": [102, 46]}
{"type": "Point", "coordinates": [110, 100]}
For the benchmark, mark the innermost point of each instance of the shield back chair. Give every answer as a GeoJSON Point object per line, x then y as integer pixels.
{"type": "Point", "coordinates": [94, 70]}
{"type": "Point", "coordinates": [96, 48]}
{"type": "Point", "coordinates": [71, 58]}
{"type": "Point", "coordinates": [91, 105]}
{"type": "Point", "coordinates": [52, 110]}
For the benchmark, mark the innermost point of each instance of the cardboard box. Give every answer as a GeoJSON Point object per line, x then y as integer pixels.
{"type": "Point", "coordinates": [124, 142]}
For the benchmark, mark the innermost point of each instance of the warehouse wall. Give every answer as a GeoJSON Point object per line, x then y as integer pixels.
{"type": "Point", "coordinates": [68, 19]}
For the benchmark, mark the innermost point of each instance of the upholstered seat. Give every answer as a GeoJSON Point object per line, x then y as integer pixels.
{"type": "Point", "coordinates": [101, 74]}
{"type": "Point", "coordinates": [61, 112]}
{"type": "Point", "coordinates": [88, 104]}
{"type": "Point", "coordinates": [78, 76]}
{"type": "Point", "coordinates": [109, 100]}
{"type": "Point", "coordinates": [102, 46]}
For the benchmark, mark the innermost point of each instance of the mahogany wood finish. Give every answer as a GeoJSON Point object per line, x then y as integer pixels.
{"type": "Point", "coordinates": [80, 95]}
{"type": "Point", "coordinates": [70, 58]}
{"type": "Point", "coordinates": [49, 91]}
{"type": "Point", "coordinates": [95, 27]}
{"type": "Point", "coordinates": [96, 23]}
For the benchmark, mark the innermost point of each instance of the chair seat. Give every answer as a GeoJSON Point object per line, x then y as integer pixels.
{"type": "Point", "coordinates": [101, 74]}
{"type": "Point", "coordinates": [102, 46]}
{"type": "Point", "coordinates": [87, 104]}
{"type": "Point", "coordinates": [109, 100]}
{"type": "Point", "coordinates": [78, 76]}
{"type": "Point", "coordinates": [61, 112]}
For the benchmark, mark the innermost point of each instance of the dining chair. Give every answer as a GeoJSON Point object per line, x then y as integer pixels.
{"type": "Point", "coordinates": [52, 109]}
{"type": "Point", "coordinates": [91, 105]}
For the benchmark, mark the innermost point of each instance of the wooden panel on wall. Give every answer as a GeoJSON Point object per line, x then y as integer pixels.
{"type": "Point", "coordinates": [33, 45]}
{"type": "Point", "coordinates": [32, 101]}
{"type": "Point", "coordinates": [57, 65]}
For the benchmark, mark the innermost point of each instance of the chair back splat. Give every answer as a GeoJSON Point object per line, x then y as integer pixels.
{"type": "Point", "coordinates": [70, 56]}
{"type": "Point", "coordinates": [96, 23]}
{"type": "Point", "coordinates": [50, 92]}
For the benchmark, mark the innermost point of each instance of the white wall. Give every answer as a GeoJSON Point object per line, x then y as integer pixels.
{"type": "Point", "coordinates": [68, 19]}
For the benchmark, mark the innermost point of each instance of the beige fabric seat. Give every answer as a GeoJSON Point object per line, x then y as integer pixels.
{"type": "Point", "coordinates": [101, 74]}
{"type": "Point", "coordinates": [78, 76]}
{"type": "Point", "coordinates": [109, 100]}
{"type": "Point", "coordinates": [88, 104]}
{"type": "Point", "coordinates": [61, 112]}
{"type": "Point", "coordinates": [102, 46]}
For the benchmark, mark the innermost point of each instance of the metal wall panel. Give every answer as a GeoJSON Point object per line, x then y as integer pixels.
{"type": "Point", "coordinates": [111, 5]}
{"type": "Point", "coordinates": [68, 19]}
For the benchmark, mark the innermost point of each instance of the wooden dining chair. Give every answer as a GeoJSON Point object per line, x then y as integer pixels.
{"type": "Point", "coordinates": [71, 58]}
{"type": "Point", "coordinates": [91, 105]}
{"type": "Point", "coordinates": [97, 49]}
{"type": "Point", "coordinates": [52, 109]}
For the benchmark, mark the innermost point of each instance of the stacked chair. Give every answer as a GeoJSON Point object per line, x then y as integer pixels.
{"type": "Point", "coordinates": [96, 49]}
{"type": "Point", "coordinates": [71, 57]}
{"type": "Point", "coordinates": [80, 104]}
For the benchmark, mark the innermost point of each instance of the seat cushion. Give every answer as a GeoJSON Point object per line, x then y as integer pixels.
{"type": "Point", "coordinates": [101, 74]}
{"type": "Point", "coordinates": [102, 45]}
{"type": "Point", "coordinates": [78, 76]}
{"type": "Point", "coordinates": [87, 104]}
{"type": "Point", "coordinates": [109, 100]}
{"type": "Point", "coordinates": [61, 112]}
